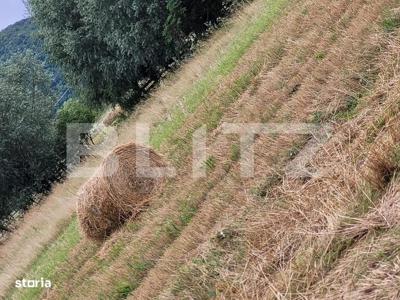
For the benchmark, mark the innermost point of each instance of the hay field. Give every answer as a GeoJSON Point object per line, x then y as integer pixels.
{"type": "Point", "coordinates": [270, 236]}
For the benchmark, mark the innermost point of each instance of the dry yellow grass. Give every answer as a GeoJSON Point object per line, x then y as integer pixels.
{"type": "Point", "coordinates": [303, 211]}
{"type": "Point", "coordinates": [156, 273]}
{"type": "Point", "coordinates": [273, 236]}
{"type": "Point", "coordinates": [283, 238]}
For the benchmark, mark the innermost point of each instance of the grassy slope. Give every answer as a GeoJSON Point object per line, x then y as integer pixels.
{"type": "Point", "coordinates": [46, 264]}
{"type": "Point", "coordinates": [205, 86]}
{"type": "Point", "coordinates": [297, 243]}
{"type": "Point", "coordinates": [270, 236]}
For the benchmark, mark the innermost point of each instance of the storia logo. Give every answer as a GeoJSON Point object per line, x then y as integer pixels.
{"type": "Point", "coordinates": [33, 283]}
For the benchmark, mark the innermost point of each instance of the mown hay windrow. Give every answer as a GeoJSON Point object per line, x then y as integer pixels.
{"type": "Point", "coordinates": [383, 163]}
{"type": "Point", "coordinates": [118, 191]}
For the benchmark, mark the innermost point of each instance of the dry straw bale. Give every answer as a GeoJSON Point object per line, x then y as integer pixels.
{"type": "Point", "coordinates": [118, 191]}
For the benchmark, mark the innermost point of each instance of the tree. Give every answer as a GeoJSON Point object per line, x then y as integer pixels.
{"type": "Point", "coordinates": [110, 50]}
{"type": "Point", "coordinates": [72, 46]}
{"type": "Point", "coordinates": [27, 135]}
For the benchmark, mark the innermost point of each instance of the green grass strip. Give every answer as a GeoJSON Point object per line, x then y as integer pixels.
{"type": "Point", "coordinates": [200, 91]}
{"type": "Point", "coordinates": [46, 263]}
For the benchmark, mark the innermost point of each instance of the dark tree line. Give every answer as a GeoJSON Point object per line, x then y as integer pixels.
{"type": "Point", "coordinates": [110, 49]}
{"type": "Point", "coordinates": [32, 137]}
{"type": "Point", "coordinates": [28, 161]}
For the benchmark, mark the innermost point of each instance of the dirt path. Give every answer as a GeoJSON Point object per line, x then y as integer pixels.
{"type": "Point", "coordinates": [43, 223]}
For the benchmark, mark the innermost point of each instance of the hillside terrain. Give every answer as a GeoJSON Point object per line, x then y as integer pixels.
{"type": "Point", "coordinates": [22, 37]}
{"type": "Point", "coordinates": [331, 232]}
{"type": "Point", "coordinates": [19, 38]}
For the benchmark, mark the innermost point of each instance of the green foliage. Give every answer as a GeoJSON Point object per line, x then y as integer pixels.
{"type": "Point", "coordinates": [18, 38]}
{"type": "Point", "coordinates": [391, 22]}
{"type": "Point", "coordinates": [235, 152]}
{"type": "Point", "coordinates": [336, 250]}
{"type": "Point", "coordinates": [187, 211]}
{"type": "Point", "coordinates": [176, 13]}
{"type": "Point", "coordinates": [320, 55]}
{"type": "Point", "coordinates": [22, 37]}
{"type": "Point", "coordinates": [123, 290]}
{"type": "Point", "coordinates": [224, 66]}
{"type": "Point", "coordinates": [171, 228]}
{"type": "Point", "coordinates": [210, 163]}
{"type": "Point", "coordinates": [28, 161]}
{"type": "Point", "coordinates": [112, 50]}
{"type": "Point", "coordinates": [350, 108]}
{"type": "Point", "coordinates": [75, 111]}
{"type": "Point", "coordinates": [47, 264]}
{"type": "Point", "coordinates": [192, 276]}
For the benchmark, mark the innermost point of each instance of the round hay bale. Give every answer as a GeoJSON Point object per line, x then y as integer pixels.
{"type": "Point", "coordinates": [118, 191]}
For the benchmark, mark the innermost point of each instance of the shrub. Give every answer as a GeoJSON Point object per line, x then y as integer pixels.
{"type": "Point", "coordinates": [75, 111]}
